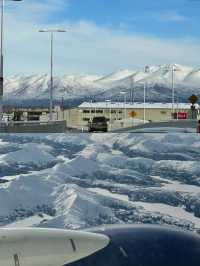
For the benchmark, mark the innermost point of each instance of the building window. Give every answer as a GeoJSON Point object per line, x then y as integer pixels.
{"type": "Point", "coordinates": [35, 113]}
{"type": "Point", "coordinates": [163, 112]}
{"type": "Point", "coordinates": [99, 111]}
{"type": "Point", "coordinates": [86, 111]}
{"type": "Point", "coordinates": [86, 119]}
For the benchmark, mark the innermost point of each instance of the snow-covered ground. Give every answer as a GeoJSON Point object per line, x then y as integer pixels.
{"type": "Point", "coordinates": [82, 180]}
{"type": "Point", "coordinates": [164, 209]}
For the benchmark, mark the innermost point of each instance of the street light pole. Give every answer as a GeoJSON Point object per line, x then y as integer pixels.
{"type": "Point", "coordinates": [173, 90]}
{"type": "Point", "coordinates": [146, 70]}
{"type": "Point", "coordinates": [132, 89]}
{"type": "Point", "coordinates": [51, 31]}
{"type": "Point", "coordinates": [110, 110]}
{"type": "Point", "coordinates": [145, 85]}
{"type": "Point", "coordinates": [125, 106]}
{"type": "Point", "coordinates": [1, 60]}
{"type": "Point", "coordinates": [52, 85]}
{"type": "Point", "coordinates": [1, 57]}
{"type": "Point", "coordinates": [91, 105]}
{"type": "Point", "coordinates": [177, 116]}
{"type": "Point", "coordinates": [109, 101]}
{"type": "Point", "coordinates": [144, 102]}
{"type": "Point", "coordinates": [124, 93]}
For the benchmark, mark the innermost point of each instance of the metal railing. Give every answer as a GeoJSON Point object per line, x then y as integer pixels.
{"type": "Point", "coordinates": [32, 126]}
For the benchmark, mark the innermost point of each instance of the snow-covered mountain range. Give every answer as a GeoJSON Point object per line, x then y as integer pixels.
{"type": "Point", "coordinates": [78, 181]}
{"type": "Point", "coordinates": [71, 87]}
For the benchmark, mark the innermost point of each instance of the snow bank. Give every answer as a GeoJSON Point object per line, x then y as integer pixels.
{"type": "Point", "coordinates": [29, 154]}
{"type": "Point", "coordinates": [51, 175]}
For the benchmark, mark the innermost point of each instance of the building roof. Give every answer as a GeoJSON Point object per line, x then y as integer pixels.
{"type": "Point", "coordinates": [121, 105]}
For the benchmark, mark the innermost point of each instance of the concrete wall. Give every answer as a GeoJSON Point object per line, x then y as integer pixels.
{"type": "Point", "coordinates": [72, 117]}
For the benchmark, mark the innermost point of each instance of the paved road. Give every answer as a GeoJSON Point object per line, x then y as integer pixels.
{"type": "Point", "coordinates": [185, 126]}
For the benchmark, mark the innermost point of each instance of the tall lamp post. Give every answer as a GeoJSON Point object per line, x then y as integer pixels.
{"type": "Point", "coordinates": [110, 116]}
{"type": "Point", "coordinates": [51, 31]}
{"type": "Point", "coordinates": [173, 68]}
{"type": "Point", "coordinates": [146, 70]}
{"type": "Point", "coordinates": [144, 118]}
{"type": "Point", "coordinates": [173, 90]}
{"type": "Point", "coordinates": [144, 84]}
{"type": "Point", "coordinates": [145, 87]}
{"type": "Point", "coordinates": [1, 59]}
{"type": "Point", "coordinates": [132, 90]}
{"type": "Point", "coordinates": [124, 93]}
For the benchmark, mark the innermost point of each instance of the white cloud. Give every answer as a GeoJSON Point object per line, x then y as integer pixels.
{"type": "Point", "coordinates": [41, 11]}
{"type": "Point", "coordinates": [86, 47]}
{"type": "Point", "coordinates": [161, 16]}
{"type": "Point", "coordinates": [171, 16]}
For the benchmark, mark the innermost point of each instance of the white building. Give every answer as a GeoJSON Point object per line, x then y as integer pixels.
{"type": "Point", "coordinates": [122, 112]}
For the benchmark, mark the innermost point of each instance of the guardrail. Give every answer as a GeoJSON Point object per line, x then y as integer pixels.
{"type": "Point", "coordinates": [33, 127]}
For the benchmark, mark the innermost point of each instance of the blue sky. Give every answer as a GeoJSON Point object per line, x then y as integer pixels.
{"type": "Point", "coordinates": [103, 36]}
{"type": "Point", "coordinates": [158, 18]}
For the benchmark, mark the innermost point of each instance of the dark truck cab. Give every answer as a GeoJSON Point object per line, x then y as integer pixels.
{"type": "Point", "coordinates": [98, 124]}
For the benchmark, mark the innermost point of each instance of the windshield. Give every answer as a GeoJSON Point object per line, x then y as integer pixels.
{"type": "Point", "coordinates": [99, 119]}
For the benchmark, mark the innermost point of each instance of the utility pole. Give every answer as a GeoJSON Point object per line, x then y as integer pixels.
{"type": "Point", "coordinates": [124, 93]}
{"type": "Point", "coordinates": [1, 61]}
{"type": "Point", "coordinates": [132, 89]}
{"type": "Point", "coordinates": [144, 102]}
{"type": "Point", "coordinates": [173, 91]}
{"type": "Point", "coordinates": [2, 57]}
{"type": "Point", "coordinates": [51, 31]}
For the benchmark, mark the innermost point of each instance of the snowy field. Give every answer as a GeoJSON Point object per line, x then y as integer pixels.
{"type": "Point", "coordinates": [82, 180]}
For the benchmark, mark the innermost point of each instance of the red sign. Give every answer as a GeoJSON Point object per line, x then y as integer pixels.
{"type": "Point", "coordinates": [180, 115]}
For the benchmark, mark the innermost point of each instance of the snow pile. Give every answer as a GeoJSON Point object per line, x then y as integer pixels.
{"type": "Point", "coordinates": [174, 168]}
{"type": "Point", "coordinates": [163, 145]}
{"type": "Point", "coordinates": [80, 208]}
{"type": "Point", "coordinates": [78, 166]}
{"type": "Point", "coordinates": [26, 192]}
{"type": "Point", "coordinates": [6, 147]}
{"type": "Point", "coordinates": [25, 158]}
{"type": "Point", "coordinates": [124, 162]}
{"type": "Point", "coordinates": [29, 154]}
{"type": "Point", "coordinates": [77, 181]}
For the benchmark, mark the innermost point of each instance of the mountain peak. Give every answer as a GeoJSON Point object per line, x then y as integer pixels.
{"type": "Point", "coordinates": [186, 79]}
